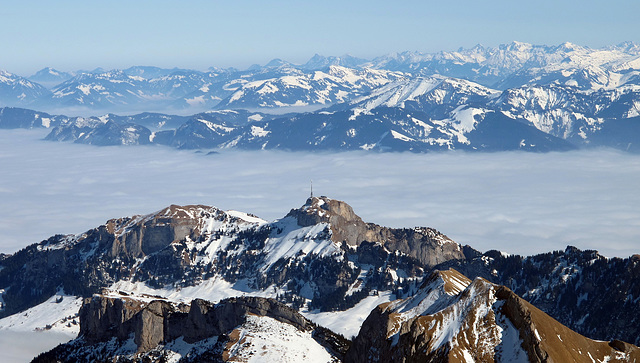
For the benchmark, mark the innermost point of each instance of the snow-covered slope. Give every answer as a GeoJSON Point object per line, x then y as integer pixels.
{"type": "Point", "coordinates": [425, 94]}
{"type": "Point", "coordinates": [453, 319]}
{"type": "Point", "coordinates": [19, 91]}
{"type": "Point", "coordinates": [585, 291]}
{"type": "Point", "coordinates": [568, 112]}
{"type": "Point", "coordinates": [307, 88]}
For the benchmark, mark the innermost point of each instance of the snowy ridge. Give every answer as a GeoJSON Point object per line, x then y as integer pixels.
{"type": "Point", "coordinates": [264, 339]}
{"type": "Point", "coordinates": [433, 90]}
{"type": "Point", "coordinates": [483, 322]}
{"type": "Point", "coordinates": [335, 85]}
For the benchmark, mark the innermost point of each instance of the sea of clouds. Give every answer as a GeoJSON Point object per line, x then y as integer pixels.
{"type": "Point", "coordinates": [517, 202]}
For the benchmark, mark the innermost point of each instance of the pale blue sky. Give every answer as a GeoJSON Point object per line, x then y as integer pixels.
{"type": "Point", "coordinates": [70, 34]}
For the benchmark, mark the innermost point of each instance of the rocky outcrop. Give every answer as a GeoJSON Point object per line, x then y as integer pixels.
{"type": "Point", "coordinates": [427, 245]}
{"type": "Point", "coordinates": [589, 293]}
{"type": "Point", "coordinates": [153, 325]}
{"type": "Point", "coordinates": [84, 264]}
{"type": "Point", "coordinates": [482, 323]}
{"type": "Point", "coordinates": [138, 237]}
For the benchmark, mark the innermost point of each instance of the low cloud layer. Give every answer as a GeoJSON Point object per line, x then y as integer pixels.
{"type": "Point", "coordinates": [516, 202]}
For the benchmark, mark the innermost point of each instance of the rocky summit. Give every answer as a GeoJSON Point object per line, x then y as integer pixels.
{"type": "Point", "coordinates": [321, 255]}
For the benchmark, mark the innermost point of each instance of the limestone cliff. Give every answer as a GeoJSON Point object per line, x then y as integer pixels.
{"type": "Point", "coordinates": [126, 329]}
{"type": "Point", "coordinates": [427, 245]}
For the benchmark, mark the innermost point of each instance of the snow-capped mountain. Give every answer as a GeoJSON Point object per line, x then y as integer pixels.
{"type": "Point", "coordinates": [298, 88]}
{"type": "Point", "coordinates": [380, 129]}
{"type": "Point", "coordinates": [101, 131]}
{"type": "Point", "coordinates": [394, 129]}
{"type": "Point", "coordinates": [319, 62]}
{"type": "Point", "coordinates": [585, 68]}
{"type": "Point", "coordinates": [574, 96]}
{"type": "Point", "coordinates": [179, 85]}
{"type": "Point", "coordinates": [19, 91]}
{"type": "Point", "coordinates": [149, 72]}
{"type": "Point", "coordinates": [582, 117]}
{"type": "Point", "coordinates": [99, 90]}
{"type": "Point", "coordinates": [320, 256]}
{"type": "Point", "coordinates": [515, 64]}
{"type": "Point", "coordinates": [454, 319]}
{"type": "Point", "coordinates": [50, 77]}
{"type": "Point", "coordinates": [324, 261]}
{"type": "Point", "coordinates": [436, 95]}
{"type": "Point", "coordinates": [323, 81]}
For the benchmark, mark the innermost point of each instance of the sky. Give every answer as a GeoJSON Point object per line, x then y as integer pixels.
{"type": "Point", "coordinates": [516, 202]}
{"type": "Point", "coordinates": [70, 35]}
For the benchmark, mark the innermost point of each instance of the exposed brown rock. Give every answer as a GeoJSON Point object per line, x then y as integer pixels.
{"type": "Point", "coordinates": [138, 237]}
{"type": "Point", "coordinates": [425, 244]}
{"type": "Point", "coordinates": [159, 321]}
{"type": "Point", "coordinates": [393, 334]}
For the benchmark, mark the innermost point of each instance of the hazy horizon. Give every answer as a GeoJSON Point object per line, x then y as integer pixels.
{"type": "Point", "coordinates": [301, 60]}
{"type": "Point", "coordinates": [73, 35]}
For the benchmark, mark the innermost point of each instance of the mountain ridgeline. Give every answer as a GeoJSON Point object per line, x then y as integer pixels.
{"type": "Point", "coordinates": [323, 259]}
{"type": "Point", "coordinates": [322, 254]}
{"type": "Point", "coordinates": [516, 96]}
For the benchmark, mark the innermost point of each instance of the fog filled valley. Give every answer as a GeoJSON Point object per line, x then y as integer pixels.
{"type": "Point", "coordinates": [515, 202]}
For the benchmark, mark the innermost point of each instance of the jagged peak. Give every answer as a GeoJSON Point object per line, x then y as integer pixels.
{"type": "Point", "coordinates": [484, 322]}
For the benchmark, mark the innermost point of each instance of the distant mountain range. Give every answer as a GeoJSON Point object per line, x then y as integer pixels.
{"type": "Point", "coordinates": [152, 273]}
{"type": "Point", "coordinates": [512, 97]}
{"type": "Point", "coordinates": [322, 80]}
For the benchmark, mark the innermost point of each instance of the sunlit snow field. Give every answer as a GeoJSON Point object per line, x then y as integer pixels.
{"type": "Point", "coordinates": [516, 202]}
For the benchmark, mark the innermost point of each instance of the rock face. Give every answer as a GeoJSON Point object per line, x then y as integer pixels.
{"type": "Point", "coordinates": [453, 319]}
{"type": "Point", "coordinates": [427, 245]}
{"type": "Point", "coordinates": [589, 293]}
{"type": "Point", "coordinates": [141, 237]}
{"type": "Point", "coordinates": [126, 329]}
